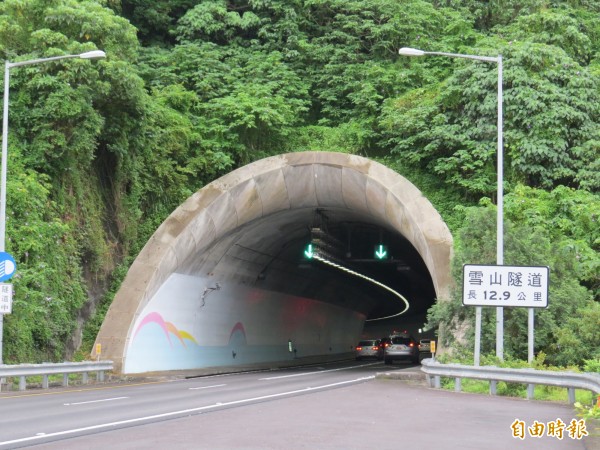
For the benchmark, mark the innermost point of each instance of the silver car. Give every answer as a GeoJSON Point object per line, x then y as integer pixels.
{"type": "Point", "coordinates": [425, 345]}
{"type": "Point", "coordinates": [369, 348]}
{"type": "Point", "coordinates": [401, 347]}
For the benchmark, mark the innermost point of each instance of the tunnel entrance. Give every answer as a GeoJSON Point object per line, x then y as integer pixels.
{"type": "Point", "coordinates": [317, 247]}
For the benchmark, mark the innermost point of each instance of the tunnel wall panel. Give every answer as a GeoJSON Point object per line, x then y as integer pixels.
{"type": "Point", "coordinates": [272, 191]}
{"type": "Point", "coordinates": [300, 183]}
{"type": "Point", "coordinates": [190, 324]}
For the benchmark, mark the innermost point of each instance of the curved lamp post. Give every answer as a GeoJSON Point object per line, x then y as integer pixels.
{"type": "Point", "coordinates": [95, 54]}
{"type": "Point", "coordinates": [500, 195]}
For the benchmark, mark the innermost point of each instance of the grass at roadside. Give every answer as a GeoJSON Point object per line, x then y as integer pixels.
{"type": "Point", "coordinates": [544, 393]}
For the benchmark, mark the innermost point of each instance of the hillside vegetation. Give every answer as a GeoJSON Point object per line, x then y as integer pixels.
{"type": "Point", "coordinates": [100, 152]}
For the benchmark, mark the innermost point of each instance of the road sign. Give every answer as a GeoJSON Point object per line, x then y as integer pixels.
{"type": "Point", "coordinates": [381, 251]}
{"type": "Point", "coordinates": [6, 294]}
{"type": "Point", "coordinates": [432, 346]}
{"type": "Point", "coordinates": [506, 286]}
{"type": "Point", "coordinates": [8, 266]}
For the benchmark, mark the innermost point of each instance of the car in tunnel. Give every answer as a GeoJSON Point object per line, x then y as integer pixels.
{"type": "Point", "coordinates": [384, 342]}
{"type": "Point", "coordinates": [402, 347]}
{"type": "Point", "coordinates": [425, 345]}
{"type": "Point", "coordinates": [368, 348]}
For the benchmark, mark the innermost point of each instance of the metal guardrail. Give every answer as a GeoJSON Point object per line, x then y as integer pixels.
{"type": "Point", "coordinates": [532, 377]}
{"type": "Point", "coordinates": [22, 371]}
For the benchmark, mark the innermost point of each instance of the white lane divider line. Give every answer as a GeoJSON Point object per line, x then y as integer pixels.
{"type": "Point", "coordinates": [317, 372]}
{"type": "Point", "coordinates": [207, 387]}
{"type": "Point", "coordinates": [181, 412]}
{"type": "Point", "coordinates": [95, 401]}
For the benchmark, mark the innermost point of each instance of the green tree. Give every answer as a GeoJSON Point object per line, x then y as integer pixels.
{"type": "Point", "coordinates": [541, 229]}
{"type": "Point", "coordinates": [551, 122]}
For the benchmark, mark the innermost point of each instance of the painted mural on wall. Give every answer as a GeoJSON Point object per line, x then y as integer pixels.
{"type": "Point", "coordinates": [194, 322]}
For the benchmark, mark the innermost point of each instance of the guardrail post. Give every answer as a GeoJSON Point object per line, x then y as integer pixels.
{"type": "Point", "coordinates": [571, 394]}
{"type": "Point", "coordinates": [47, 370]}
{"type": "Point", "coordinates": [527, 377]}
{"type": "Point", "coordinates": [457, 384]}
{"type": "Point", "coordinates": [530, 391]}
{"type": "Point", "coordinates": [84, 379]}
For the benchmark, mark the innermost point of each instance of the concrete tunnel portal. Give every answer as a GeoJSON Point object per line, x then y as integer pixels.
{"type": "Point", "coordinates": [225, 280]}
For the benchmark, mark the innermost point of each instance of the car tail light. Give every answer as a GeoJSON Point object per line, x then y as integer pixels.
{"type": "Point", "coordinates": [411, 344]}
{"type": "Point", "coordinates": [375, 348]}
{"type": "Point", "coordinates": [359, 348]}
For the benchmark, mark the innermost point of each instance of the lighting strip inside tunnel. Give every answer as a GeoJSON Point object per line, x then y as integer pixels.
{"type": "Point", "coordinates": [352, 272]}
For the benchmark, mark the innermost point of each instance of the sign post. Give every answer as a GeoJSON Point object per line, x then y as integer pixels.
{"type": "Point", "coordinates": [506, 286]}
{"type": "Point", "coordinates": [8, 267]}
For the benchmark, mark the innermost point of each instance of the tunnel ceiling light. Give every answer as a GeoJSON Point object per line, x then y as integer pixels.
{"type": "Point", "coordinates": [352, 272]}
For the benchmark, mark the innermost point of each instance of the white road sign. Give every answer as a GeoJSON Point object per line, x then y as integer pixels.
{"type": "Point", "coordinates": [6, 293]}
{"type": "Point", "coordinates": [509, 286]}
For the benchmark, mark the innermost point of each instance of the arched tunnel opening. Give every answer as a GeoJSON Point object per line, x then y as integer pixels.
{"type": "Point", "coordinates": [315, 248]}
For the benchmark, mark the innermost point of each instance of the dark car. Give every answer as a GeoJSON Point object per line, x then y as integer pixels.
{"type": "Point", "coordinates": [401, 347]}
{"type": "Point", "coordinates": [368, 348]}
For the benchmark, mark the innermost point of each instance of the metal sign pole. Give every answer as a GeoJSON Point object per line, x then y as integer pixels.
{"type": "Point", "coordinates": [477, 335]}
{"type": "Point", "coordinates": [530, 323]}
{"type": "Point", "coordinates": [500, 211]}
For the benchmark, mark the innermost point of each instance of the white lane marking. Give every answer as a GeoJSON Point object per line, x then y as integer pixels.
{"type": "Point", "coordinates": [181, 412]}
{"type": "Point", "coordinates": [95, 401]}
{"type": "Point", "coordinates": [207, 387]}
{"type": "Point", "coordinates": [313, 373]}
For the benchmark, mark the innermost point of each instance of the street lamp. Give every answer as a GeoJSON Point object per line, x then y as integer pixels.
{"type": "Point", "coordinates": [94, 54]}
{"type": "Point", "coordinates": [500, 195]}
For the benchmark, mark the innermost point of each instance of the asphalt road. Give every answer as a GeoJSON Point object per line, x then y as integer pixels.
{"type": "Point", "coordinates": [327, 408]}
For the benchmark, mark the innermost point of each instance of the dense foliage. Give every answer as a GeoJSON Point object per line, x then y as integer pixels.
{"type": "Point", "coordinates": [558, 229]}
{"type": "Point", "coordinates": [102, 151]}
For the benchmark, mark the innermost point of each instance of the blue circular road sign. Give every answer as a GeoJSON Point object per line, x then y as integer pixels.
{"type": "Point", "coordinates": [8, 266]}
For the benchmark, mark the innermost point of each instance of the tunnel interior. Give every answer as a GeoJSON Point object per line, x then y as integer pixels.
{"type": "Point", "coordinates": [273, 253]}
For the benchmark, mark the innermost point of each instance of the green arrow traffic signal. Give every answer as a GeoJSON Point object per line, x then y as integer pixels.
{"type": "Point", "coordinates": [381, 251]}
{"type": "Point", "coordinates": [309, 251]}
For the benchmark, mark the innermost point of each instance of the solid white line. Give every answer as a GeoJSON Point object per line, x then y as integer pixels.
{"type": "Point", "coordinates": [95, 401]}
{"type": "Point", "coordinates": [207, 387]}
{"type": "Point", "coordinates": [184, 411]}
{"type": "Point", "coordinates": [312, 373]}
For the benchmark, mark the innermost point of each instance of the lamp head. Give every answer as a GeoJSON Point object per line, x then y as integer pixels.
{"type": "Point", "coordinates": [407, 51]}
{"type": "Point", "coordinates": [94, 54]}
